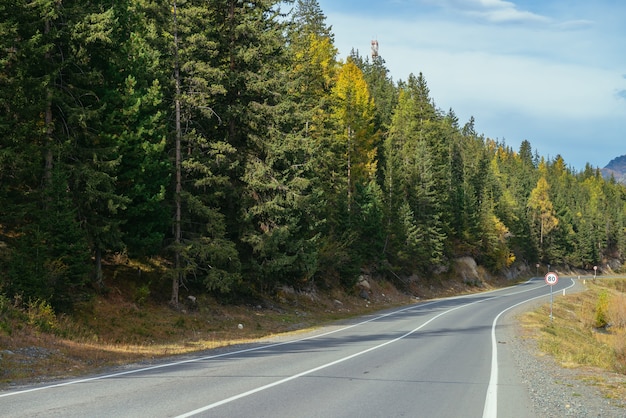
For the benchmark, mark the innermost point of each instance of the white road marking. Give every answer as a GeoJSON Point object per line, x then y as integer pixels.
{"type": "Point", "coordinates": [323, 366]}
{"type": "Point", "coordinates": [230, 353]}
{"type": "Point", "coordinates": [214, 356]}
{"type": "Point", "coordinates": [491, 400]}
{"type": "Point", "coordinates": [491, 393]}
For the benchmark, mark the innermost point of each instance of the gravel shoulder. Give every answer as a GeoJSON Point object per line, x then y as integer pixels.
{"type": "Point", "coordinates": [557, 391]}
{"type": "Point", "coordinates": [553, 390]}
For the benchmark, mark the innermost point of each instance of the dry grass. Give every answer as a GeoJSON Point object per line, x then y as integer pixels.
{"type": "Point", "coordinates": [126, 325]}
{"type": "Point", "coordinates": [587, 331]}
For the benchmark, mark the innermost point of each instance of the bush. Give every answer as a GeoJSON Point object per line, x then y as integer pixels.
{"type": "Point", "coordinates": [142, 293]}
{"type": "Point", "coordinates": [42, 316]}
{"type": "Point", "coordinates": [602, 309]}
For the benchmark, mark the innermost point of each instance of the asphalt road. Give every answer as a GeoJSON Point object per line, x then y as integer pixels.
{"type": "Point", "coordinates": [442, 358]}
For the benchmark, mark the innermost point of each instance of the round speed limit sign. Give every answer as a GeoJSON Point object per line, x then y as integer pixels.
{"type": "Point", "coordinates": [552, 278]}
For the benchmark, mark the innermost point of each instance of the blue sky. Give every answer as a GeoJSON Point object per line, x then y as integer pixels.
{"type": "Point", "coordinates": [552, 72]}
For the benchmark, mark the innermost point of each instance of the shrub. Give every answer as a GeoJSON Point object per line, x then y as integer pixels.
{"type": "Point", "coordinates": [41, 315]}
{"type": "Point", "coordinates": [602, 308]}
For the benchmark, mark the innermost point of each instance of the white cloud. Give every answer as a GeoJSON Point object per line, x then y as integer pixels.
{"type": "Point", "coordinates": [575, 24]}
{"type": "Point", "coordinates": [557, 82]}
{"type": "Point", "coordinates": [515, 68]}
{"type": "Point", "coordinates": [531, 86]}
{"type": "Point", "coordinates": [494, 11]}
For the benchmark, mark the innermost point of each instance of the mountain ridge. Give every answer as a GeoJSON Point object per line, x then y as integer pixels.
{"type": "Point", "coordinates": [616, 168]}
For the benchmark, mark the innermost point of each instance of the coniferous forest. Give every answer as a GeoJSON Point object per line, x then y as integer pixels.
{"type": "Point", "coordinates": [227, 139]}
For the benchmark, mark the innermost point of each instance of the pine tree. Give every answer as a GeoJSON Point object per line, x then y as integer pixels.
{"type": "Point", "coordinates": [92, 43]}
{"type": "Point", "coordinates": [410, 180]}
{"type": "Point", "coordinates": [137, 85]}
{"type": "Point", "coordinates": [204, 160]}
{"type": "Point", "coordinates": [279, 190]}
{"type": "Point", "coordinates": [311, 81]}
{"type": "Point", "coordinates": [519, 176]}
{"type": "Point", "coordinates": [60, 99]}
{"type": "Point", "coordinates": [50, 260]}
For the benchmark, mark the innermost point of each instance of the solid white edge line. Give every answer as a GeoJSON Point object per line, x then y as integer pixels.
{"type": "Point", "coordinates": [214, 356]}
{"type": "Point", "coordinates": [230, 353]}
{"type": "Point", "coordinates": [323, 366]}
{"type": "Point", "coordinates": [491, 400]}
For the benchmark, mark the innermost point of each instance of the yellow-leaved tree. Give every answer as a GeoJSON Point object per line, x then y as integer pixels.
{"type": "Point", "coordinates": [353, 111]}
{"type": "Point", "coordinates": [541, 209]}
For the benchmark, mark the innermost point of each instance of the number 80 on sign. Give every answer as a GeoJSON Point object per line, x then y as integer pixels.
{"type": "Point", "coordinates": [552, 278]}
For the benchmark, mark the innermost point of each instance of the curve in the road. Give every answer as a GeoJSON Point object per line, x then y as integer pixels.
{"type": "Point", "coordinates": [491, 400]}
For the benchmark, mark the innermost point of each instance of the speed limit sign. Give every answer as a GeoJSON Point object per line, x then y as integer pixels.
{"type": "Point", "coordinates": [552, 278]}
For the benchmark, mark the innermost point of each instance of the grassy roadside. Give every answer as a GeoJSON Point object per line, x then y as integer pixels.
{"type": "Point", "coordinates": [587, 332]}
{"type": "Point", "coordinates": [128, 323]}
{"type": "Point", "coordinates": [125, 326]}
{"type": "Point", "coordinates": [122, 326]}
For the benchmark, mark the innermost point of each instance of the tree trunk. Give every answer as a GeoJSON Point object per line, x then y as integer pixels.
{"type": "Point", "coordinates": [48, 123]}
{"type": "Point", "coordinates": [349, 168]}
{"type": "Point", "coordinates": [177, 219]}
{"type": "Point", "coordinates": [98, 269]}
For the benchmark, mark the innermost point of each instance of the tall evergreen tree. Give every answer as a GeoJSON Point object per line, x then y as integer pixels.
{"type": "Point", "coordinates": [410, 185]}
{"type": "Point", "coordinates": [137, 82]}
{"type": "Point", "coordinates": [280, 219]}
{"type": "Point", "coordinates": [312, 80]}
{"type": "Point", "coordinates": [92, 41]}
{"type": "Point", "coordinates": [57, 114]}
{"type": "Point", "coordinates": [309, 19]}
{"type": "Point", "coordinates": [204, 160]}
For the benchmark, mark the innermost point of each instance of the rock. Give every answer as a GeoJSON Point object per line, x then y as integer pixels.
{"type": "Point", "coordinates": [467, 268]}
{"type": "Point", "coordinates": [363, 283]}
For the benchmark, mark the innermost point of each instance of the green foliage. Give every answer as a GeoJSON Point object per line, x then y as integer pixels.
{"type": "Point", "coordinates": [292, 167]}
{"type": "Point", "coordinates": [601, 318]}
{"type": "Point", "coordinates": [367, 221]}
{"type": "Point", "coordinates": [214, 261]}
{"type": "Point", "coordinates": [41, 315]}
{"type": "Point", "coordinates": [415, 202]}
{"type": "Point", "coordinates": [142, 293]}
{"type": "Point", "coordinates": [50, 258]}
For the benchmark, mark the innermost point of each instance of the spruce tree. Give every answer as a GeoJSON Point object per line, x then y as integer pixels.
{"type": "Point", "coordinates": [56, 117]}
{"type": "Point", "coordinates": [410, 180]}
{"type": "Point", "coordinates": [137, 89]}
{"type": "Point", "coordinates": [280, 219]}
{"type": "Point", "coordinates": [203, 160]}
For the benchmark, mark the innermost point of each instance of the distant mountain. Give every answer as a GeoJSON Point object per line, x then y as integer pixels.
{"type": "Point", "coordinates": [617, 169]}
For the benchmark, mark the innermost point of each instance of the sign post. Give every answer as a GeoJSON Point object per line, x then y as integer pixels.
{"type": "Point", "coordinates": [595, 272]}
{"type": "Point", "coordinates": [551, 279]}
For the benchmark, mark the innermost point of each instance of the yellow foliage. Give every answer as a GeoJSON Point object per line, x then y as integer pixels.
{"type": "Point", "coordinates": [541, 208]}
{"type": "Point", "coordinates": [354, 112]}
{"type": "Point", "coordinates": [316, 60]}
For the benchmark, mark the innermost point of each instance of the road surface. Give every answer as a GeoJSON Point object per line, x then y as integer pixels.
{"type": "Point", "coordinates": [441, 358]}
